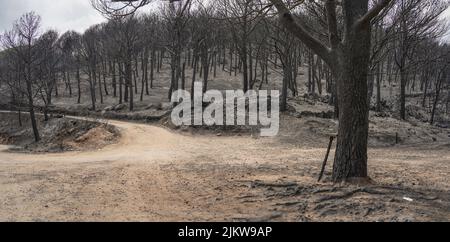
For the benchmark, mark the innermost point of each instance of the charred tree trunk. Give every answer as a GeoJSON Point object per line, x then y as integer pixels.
{"type": "Point", "coordinates": [379, 81]}
{"type": "Point", "coordinates": [439, 82]}
{"type": "Point", "coordinates": [99, 81]}
{"type": "Point", "coordinates": [78, 84]}
{"type": "Point", "coordinates": [152, 71]}
{"type": "Point", "coordinates": [37, 137]}
{"type": "Point", "coordinates": [92, 88]}
{"type": "Point", "coordinates": [104, 73]}
{"type": "Point", "coordinates": [121, 99]}
{"type": "Point", "coordinates": [129, 81]}
{"type": "Point", "coordinates": [352, 90]}
{"type": "Point", "coordinates": [284, 91]}
{"type": "Point", "coordinates": [114, 78]}
{"type": "Point", "coordinates": [194, 73]}
{"type": "Point", "coordinates": [403, 82]}
{"type": "Point", "coordinates": [205, 67]}
{"type": "Point", "coordinates": [183, 77]}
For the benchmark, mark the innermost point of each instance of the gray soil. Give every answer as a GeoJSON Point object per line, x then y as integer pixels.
{"type": "Point", "coordinates": [154, 174]}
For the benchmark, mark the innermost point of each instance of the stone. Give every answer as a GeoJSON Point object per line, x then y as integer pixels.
{"type": "Point", "coordinates": [120, 107]}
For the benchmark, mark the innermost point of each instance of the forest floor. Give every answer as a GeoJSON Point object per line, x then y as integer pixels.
{"type": "Point", "coordinates": [148, 171]}
{"type": "Point", "coordinates": [155, 174]}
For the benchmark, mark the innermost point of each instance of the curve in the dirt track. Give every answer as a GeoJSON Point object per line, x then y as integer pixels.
{"type": "Point", "coordinates": [136, 141]}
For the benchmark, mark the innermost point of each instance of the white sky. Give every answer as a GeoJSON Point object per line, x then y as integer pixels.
{"type": "Point", "coordinates": [61, 15]}
{"type": "Point", "coordinates": [446, 17]}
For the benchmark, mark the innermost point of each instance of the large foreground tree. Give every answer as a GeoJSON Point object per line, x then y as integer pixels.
{"type": "Point", "coordinates": [348, 56]}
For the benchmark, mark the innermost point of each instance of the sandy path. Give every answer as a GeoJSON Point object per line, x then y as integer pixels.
{"type": "Point", "coordinates": [153, 174]}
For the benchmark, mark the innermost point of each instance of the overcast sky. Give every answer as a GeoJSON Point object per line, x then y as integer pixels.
{"type": "Point", "coordinates": [61, 15]}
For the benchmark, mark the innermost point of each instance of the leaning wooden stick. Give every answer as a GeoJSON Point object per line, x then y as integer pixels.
{"type": "Point", "coordinates": [326, 158]}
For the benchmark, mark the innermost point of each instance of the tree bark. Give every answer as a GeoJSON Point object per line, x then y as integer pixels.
{"type": "Point", "coordinates": [78, 84]}
{"type": "Point", "coordinates": [152, 70]}
{"type": "Point", "coordinates": [352, 71]}
{"type": "Point", "coordinates": [37, 137]}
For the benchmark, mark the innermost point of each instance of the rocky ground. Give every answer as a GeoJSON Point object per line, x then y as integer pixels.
{"type": "Point", "coordinates": [58, 134]}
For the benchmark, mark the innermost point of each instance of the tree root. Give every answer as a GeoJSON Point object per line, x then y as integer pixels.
{"type": "Point", "coordinates": [350, 194]}
{"type": "Point", "coordinates": [264, 184]}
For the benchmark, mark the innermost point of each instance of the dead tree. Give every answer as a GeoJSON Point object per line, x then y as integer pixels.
{"type": "Point", "coordinates": [22, 41]}
{"type": "Point", "coordinates": [415, 20]}
{"type": "Point", "coordinates": [50, 58]}
{"type": "Point", "coordinates": [241, 21]}
{"type": "Point", "coordinates": [348, 57]}
{"type": "Point", "coordinates": [90, 44]}
{"type": "Point", "coordinates": [176, 17]}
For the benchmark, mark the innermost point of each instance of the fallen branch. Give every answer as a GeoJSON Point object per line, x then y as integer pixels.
{"type": "Point", "coordinates": [326, 158]}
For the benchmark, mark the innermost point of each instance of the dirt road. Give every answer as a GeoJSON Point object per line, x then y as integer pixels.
{"type": "Point", "coordinates": [153, 174]}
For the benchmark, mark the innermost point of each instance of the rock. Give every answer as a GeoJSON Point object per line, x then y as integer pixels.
{"type": "Point", "coordinates": [297, 115]}
{"type": "Point", "coordinates": [120, 107]}
{"type": "Point", "coordinates": [382, 114]}
{"type": "Point", "coordinates": [405, 219]}
{"type": "Point", "coordinates": [151, 106]}
{"type": "Point", "coordinates": [324, 114]}
{"type": "Point", "coordinates": [108, 109]}
{"type": "Point", "coordinates": [164, 106]}
{"type": "Point", "coordinates": [443, 125]}
{"type": "Point", "coordinates": [417, 112]}
{"type": "Point", "coordinates": [326, 99]}
{"type": "Point", "coordinates": [408, 199]}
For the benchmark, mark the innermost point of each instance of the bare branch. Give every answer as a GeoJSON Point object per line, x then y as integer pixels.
{"type": "Point", "coordinates": [372, 13]}
{"type": "Point", "coordinates": [296, 28]}
{"type": "Point", "coordinates": [332, 23]}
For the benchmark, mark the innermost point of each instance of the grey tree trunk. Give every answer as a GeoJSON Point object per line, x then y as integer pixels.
{"type": "Point", "coordinates": [31, 108]}
{"type": "Point", "coordinates": [129, 82]}
{"type": "Point", "coordinates": [78, 84]}
{"type": "Point", "coordinates": [352, 90]}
